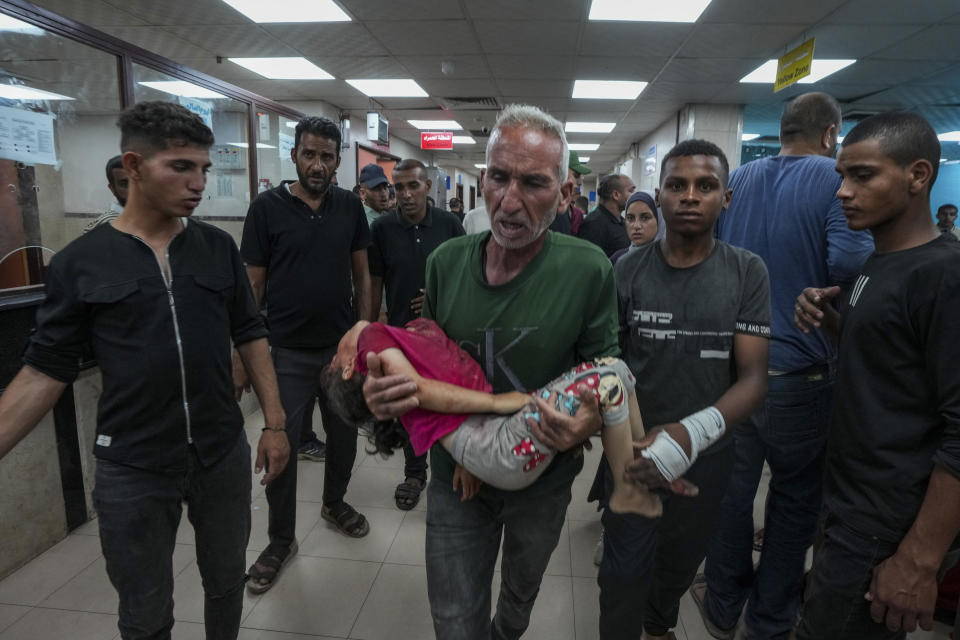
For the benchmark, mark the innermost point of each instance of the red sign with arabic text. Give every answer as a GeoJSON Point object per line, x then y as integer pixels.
{"type": "Point", "coordinates": [440, 140]}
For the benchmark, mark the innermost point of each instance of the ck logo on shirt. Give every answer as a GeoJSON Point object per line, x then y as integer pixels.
{"type": "Point", "coordinates": [858, 288]}
{"type": "Point", "coordinates": [491, 359]}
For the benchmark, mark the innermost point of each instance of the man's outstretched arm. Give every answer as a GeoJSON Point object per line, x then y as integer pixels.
{"type": "Point", "coordinates": [27, 399]}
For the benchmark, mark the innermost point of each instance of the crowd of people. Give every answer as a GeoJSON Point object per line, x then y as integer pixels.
{"type": "Point", "coordinates": [800, 312]}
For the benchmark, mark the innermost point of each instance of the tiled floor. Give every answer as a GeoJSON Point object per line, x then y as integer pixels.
{"type": "Point", "coordinates": [336, 587]}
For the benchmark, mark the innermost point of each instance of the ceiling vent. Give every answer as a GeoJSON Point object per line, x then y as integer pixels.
{"type": "Point", "coordinates": [474, 102]}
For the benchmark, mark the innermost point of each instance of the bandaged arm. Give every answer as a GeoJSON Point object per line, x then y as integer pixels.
{"type": "Point", "coordinates": [677, 446]}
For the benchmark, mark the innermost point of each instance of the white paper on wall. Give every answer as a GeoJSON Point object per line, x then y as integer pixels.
{"type": "Point", "coordinates": [27, 136]}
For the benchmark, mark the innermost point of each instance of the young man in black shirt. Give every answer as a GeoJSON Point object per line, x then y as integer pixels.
{"type": "Point", "coordinates": [892, 490]}
{"type": "Point", "coordinates": [160, 300]}
{"type": "Point", "coordinates": [305, 245]}
{"type": "Point", "coordinates": [695, 328]}
{"type": "Point", "coordinates": [401, 240]}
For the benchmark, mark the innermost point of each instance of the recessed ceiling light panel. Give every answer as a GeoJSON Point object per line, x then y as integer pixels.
{"type": "Point", "coordinates": [480, 166]}
{"type": "Point", "coordinates": [583, 146]}
{"type": "Point", "coordinates": [820, 69]}
{"type": "Point", "coordinates": [18, 26]}
{"type": "Point", "coordinates": [290, 10]}
{"type": "Point", "coordinates": [394, 88]}
{"type": "Point", "coordinates": [436, 125]}
{"type": "Point", "coordinates": [950, 136]}
{"type": "Point", "coordinates": [283, 68]}
{"type": "Point", "coordinates": [463, 140]}
{"type": "Point", "coordinates": [589, 127]}
{"type": "Point", "coordinates": [607, 89]}
{"type": "Point", "coordinates": [746, 137]}
{"type": "Point", "coordinates": [648, 10]}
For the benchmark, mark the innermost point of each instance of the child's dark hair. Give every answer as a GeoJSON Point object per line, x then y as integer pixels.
{"type": "Point", "coordinates": [346, 400]}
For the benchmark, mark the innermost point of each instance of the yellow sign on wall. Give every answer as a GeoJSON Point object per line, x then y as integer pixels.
{"type": "Point", "coordinates": [794, 65]}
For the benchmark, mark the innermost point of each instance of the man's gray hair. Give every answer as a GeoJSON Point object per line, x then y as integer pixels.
{"type": "Point", "coordinates": [525, 115]}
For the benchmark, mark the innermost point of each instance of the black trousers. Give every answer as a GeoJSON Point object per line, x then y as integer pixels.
{"type": "Point", "coordinates": [648, 563]}
{"type": "Point", "coordinates": [298, 375]}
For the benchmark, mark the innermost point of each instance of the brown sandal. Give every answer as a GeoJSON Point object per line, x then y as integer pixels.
{"type": "Point", "coordinates": [346, 519]}
{"type": "Point", "coordinates": [273, 559]}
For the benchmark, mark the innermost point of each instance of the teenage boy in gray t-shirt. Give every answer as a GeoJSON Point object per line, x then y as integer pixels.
{"type": "Point", "coordinates": [695, 327]}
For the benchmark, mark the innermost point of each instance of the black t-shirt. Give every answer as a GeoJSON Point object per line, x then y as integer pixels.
{"type": "Point", "coordinates": [398, 254]}
{"type": "Point", "coordinates": [307, 255]}
{"type": "Point", "coordinates": [561, 224]}
{"type": "Point", "coordinates": [604, 229]}
{"type": "Point", "coordinates": [897, 400]}
{"type": "Point", "coordinates": [679, 324]}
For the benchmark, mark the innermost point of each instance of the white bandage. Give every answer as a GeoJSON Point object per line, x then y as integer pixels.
{"type": "Point", "coordinates": [705, 427]}
{"type": "Point", "coordinates": [668, 455]}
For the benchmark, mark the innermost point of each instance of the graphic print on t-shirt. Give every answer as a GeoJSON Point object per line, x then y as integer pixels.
{"type": "Point", "coordinates": [858, 288]}
{"type": "Point", "coordinates": [659, 327]}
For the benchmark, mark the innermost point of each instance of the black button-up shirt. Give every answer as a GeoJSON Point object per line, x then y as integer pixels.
{"type": "Point", "coordinates": [164, 353]}
{"type": "Point", "coordinates": [398, 254]}
{"type": "Point", "coordinates": [605, 229]}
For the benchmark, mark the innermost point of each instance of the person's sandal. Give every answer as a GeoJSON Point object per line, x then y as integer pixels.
{"type": "Point", "coordinates": [408, 493]}
{"type": "Point", "coordinates": [698, 593]}
{"type": "Point", "coordinates": [346, 519]}
{"type": "Point", "coordinates": [273, 559]}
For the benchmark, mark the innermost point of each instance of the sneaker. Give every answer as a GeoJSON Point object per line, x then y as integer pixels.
{"type": "Point", "coordinates": [315, 450]}
{"type": "Point", "coordinates": [598, 551]}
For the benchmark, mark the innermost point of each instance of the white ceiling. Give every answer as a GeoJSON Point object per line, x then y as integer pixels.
{"type": "Point", "coordinates": [532, 50]}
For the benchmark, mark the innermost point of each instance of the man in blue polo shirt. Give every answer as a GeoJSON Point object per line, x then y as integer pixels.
{"type": "Point", "coordinates": [305, 245]}
{"type": "Point", "coordinates": [784, 209]}
{"type": "Point", "coordinates": [401, 240]}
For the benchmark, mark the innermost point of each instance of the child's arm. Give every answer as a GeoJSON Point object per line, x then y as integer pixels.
{"type": "Point", "coordinates": [443, 397]}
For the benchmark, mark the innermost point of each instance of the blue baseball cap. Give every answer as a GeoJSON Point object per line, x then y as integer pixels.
{"type": "Point", "coordinates": [372, 176]}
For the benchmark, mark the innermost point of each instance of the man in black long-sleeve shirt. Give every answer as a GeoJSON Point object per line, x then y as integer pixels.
{"type": "Point", "coordinates": [160, 300]}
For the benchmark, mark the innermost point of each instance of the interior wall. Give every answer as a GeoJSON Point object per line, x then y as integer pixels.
{"type": "Point", "coordinates": [655, 145]}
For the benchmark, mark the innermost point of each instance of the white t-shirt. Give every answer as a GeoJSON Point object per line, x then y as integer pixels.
{"type": "Point", "coordinates": [476, 220]}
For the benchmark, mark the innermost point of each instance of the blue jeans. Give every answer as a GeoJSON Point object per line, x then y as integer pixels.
{"type": "Point", "coordinates": [789, 431]}
{"type": "Point", "coordinates": [139, 512]}
{"type": "Point", "coordinates": [834, 606]}
{"type": "Point", "coordinates": [462, 543]}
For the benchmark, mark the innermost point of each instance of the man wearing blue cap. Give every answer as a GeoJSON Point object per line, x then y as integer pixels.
{"type": "Point", "coordinates": [374, 191]}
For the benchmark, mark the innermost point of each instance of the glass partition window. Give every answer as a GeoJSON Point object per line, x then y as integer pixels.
{"type": "Point", "coordinates": [59, 102]}
{"type": "Point", "coordinates": [227, 195]}
{"type": "Point", "coordinates": [275, 137]}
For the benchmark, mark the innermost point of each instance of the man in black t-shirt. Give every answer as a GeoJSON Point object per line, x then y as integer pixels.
{"type": "Point", "coordinates": [305, 245]}
{"type": "Point", "coordinates": [604, 226]}
{"type": "Point", "coordinates": [400, 243]}
{"type": "Point", "coordinates": [695, 329]}
{"type": "Point", "coordinates": [892, 490]}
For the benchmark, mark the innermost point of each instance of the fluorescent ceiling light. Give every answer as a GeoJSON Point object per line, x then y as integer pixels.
{"type": "Point", "coordinates": [607, 89]}
{"type": "Point", "coordinates": [18, 26]}
{"type": "Point", "coordinates": [943, 159]}
{"type": "Point", "coordinates": [749, 136]}
{"type": "Point", "coordinates": [582, 146]}
{"type": "Point", "coordinates": [182, 88]}
{"type": "Point", "coordinates": [840, 138]}
{"type": "Point", "coordinates": [283, 68]}
{"type": "Point", "coordinates": [589, 127]}
{"type": "Point", "coordinates": [480, 166]}
{"type": "Point", "coordinates": [767, 72]}
{"type": "Point", "coordinates": [396, 88]}
{"type": "Point", "coordinates": [584, 158]}
{"type": "Point", "coordinates": [463, 140]}
{"type": "Point", "coordinates": [950, 136]}
{"type": "Point", "coordinates": [291, 124]}
{"type": "Point", "coordinates": [648, 10]}
{"type": "Point", "coordinates": [290, 10]}
{"type": "Point", "coordinates": [244, 145]}
{"type": "Point", "coordinates": [436, 125]}
{"type": "Point", "coordinates": [20, 92]}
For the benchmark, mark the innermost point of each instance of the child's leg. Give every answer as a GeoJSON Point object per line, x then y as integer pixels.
{"type": "Point", "coordinates": [499, 450]}
{"type": "Point", "coordinates": [622, 424]}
